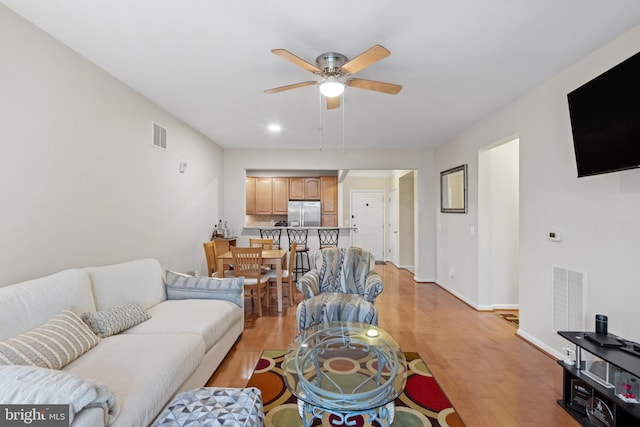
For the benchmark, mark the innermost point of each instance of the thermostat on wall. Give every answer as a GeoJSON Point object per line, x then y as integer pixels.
{"type": "Point", "coordinates": [554, 236]}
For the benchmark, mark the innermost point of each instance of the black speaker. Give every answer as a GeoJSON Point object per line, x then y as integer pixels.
{"type": "Point", "coordinates": [601, 324]}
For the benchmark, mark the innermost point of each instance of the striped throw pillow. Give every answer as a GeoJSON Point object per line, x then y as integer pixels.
{"type": "Point", "coordinates": [53, 345]}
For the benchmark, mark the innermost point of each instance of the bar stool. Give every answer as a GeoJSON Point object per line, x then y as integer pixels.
{"type": "Point", "coordinates": [328, 237]}
{"type": "Point", "coordinates": [273, 234]}
{"type": "Point", "coordinates": [299, 235]}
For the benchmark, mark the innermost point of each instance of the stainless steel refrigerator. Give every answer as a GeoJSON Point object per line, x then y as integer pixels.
{"type": "Point", "coordinates": [304, 214]}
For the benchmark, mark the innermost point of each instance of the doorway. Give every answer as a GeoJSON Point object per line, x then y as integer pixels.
{"type": "Point", "coordinates": [367, 216]}
{"type": "Point", "coordinates": [498, 229]}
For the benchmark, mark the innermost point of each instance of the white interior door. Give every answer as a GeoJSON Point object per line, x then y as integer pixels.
{"type": "Point", "coordinates": [367, 215]}
{"type": "Point", "coordinates": [393, 226]}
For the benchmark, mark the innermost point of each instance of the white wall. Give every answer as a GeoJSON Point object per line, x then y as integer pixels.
{"type": "Point", "coordinates": [597, 216]}
{"type": "Point", "coordinates": [237, 161]}
{"type": "Point", "coordinates": [80, 183]}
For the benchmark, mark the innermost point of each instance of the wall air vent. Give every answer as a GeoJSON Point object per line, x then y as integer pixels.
{"type": "Point", "coordinates": [159, 136]}
{"type": "Point", "coordinates": [568, 289]}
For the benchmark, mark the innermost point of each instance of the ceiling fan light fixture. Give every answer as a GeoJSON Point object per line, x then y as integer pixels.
{"type": "Point", "coordinates": [274, 128]}
{"type": "Point", "coordinates": [331, 88]}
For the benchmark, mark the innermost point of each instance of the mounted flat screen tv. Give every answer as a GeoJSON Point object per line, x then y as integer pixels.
{"type": "Point", "coordinates": [605, 120]}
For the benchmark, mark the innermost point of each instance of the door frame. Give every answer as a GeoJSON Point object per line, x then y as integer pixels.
{"type": "Point", "coordinates": [394, 244]}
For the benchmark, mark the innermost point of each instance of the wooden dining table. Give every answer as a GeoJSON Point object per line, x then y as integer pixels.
{"type": "Point", "coordinates": [275, 257]}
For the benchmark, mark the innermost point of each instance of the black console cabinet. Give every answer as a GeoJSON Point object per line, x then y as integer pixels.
{"type": "Point", "coordinates": [624, 414]}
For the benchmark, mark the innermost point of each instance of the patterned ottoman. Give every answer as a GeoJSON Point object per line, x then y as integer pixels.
{"type": "Point", "coordinates": [213, 407]}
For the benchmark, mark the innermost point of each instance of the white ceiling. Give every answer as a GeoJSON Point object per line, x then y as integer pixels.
{"type": "Point", "coordinates": [208, 61]}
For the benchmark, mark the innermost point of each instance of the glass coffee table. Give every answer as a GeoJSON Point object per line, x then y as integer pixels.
{"type": "Point", "coordinates": [345, 371]}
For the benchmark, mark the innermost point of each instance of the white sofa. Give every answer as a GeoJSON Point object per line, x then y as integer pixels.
{"type": "Point", "coordinates": [176, 350]}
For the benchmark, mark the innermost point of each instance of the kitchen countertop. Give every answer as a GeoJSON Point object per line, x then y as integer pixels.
{"type": "Point", "coordinates": [258, 227]}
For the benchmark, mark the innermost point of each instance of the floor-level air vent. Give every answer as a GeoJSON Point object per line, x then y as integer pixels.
{"type": "Point", "coordinates": [159, 136]}
{"type": "Point", "coordinates": [567, 300]}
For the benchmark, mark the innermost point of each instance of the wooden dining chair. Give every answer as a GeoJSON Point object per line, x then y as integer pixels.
{"type": "Point", "coordinates": [210, 255]}
{"type": "Point", "coordinates": [212, 260]}
{"type": "Point", "coordinates": [262, 243]}
{"type": "Point", "coordinates": [287, 275]}
{"type": "Point", "coordinates": [247, 263]}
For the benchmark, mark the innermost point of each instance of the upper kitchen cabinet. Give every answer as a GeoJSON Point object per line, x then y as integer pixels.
{"type": "Point", "coordinates": [270, 195]}
{"type": "Point", "coordinates": [250, 185]}
{"type": "Point", "coordinates": [264, 196]}
{"type": "Point", "coordinates": [304, 188]}
{"type": "Point", "coordinates": [280, 196]}
{"type": "Point", "coordinates": [267, 195]}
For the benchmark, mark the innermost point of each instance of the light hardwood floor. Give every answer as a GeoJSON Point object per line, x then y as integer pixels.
{"type": "Point", "coordinates": [492, 377]}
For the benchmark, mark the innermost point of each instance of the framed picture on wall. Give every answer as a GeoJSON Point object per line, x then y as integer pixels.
{"type": "Point", "coordinates": [453, 190]}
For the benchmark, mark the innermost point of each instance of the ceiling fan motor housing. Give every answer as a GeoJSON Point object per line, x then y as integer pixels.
{"type": "Point", "coordinates": [331, 62]}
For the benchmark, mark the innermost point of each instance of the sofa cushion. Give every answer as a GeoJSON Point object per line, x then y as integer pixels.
{"type": "Point", "coordinates": [115, 319]}
{"type": "Point", "coordinates": [144, 371]}
{"type": "Point", "coordinates": [53, 345]}
{"type": "Point", "coordinates": [27, 305]}
{"type": "Point", "coordinates": [139, 280]}
{"type": "Point", "coordinates": [184, 286]}
{"type": "Point", "coordinates": [334, 306]}
{"type": "Point", "coordinates": [208, 318]}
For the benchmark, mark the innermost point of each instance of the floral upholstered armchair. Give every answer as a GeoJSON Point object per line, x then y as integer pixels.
{"type": "Point", "coordinates": [341, 270]}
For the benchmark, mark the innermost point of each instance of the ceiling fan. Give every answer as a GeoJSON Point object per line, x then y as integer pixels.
{"type": "Point", "coordinates": [335, 69]}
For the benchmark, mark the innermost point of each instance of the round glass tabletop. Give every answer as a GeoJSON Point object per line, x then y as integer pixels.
{"type": "Point", "coordinates": [345, 367]}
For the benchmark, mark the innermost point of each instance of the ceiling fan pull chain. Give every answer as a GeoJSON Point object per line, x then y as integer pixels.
{"type": "Point", "coordinates": [343, 107]}
{"type": "Point", "coordinates": [320, 129]}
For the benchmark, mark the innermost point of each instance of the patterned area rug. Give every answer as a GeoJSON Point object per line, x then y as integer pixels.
{"type": "Point", "coordinates": [512, 318]}
{"type": "Point", "coordinates": [422, 403]}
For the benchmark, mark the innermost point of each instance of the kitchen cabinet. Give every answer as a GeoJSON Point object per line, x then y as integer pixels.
{"type": "Point", "coordinates": [271, 195]}
{"type": "Point", "coordinates": [312, 188]}
{"type": "Point", "coordinates": [304, 188]}
{"type": "Point", "coordinates": [280, 196]}
{"type": "Point", "coordinates": [329, 194]}
{"type": "Point", "coordinates": [267, 195]}
{"type": "Point", "coordinates": [329, 200]}
{"type": "Point", "coordinates": [250, 189]}
{"type": "Point", "coordinates": [264, 196]}
{"type": "Point", "coordinates": [329, 220]}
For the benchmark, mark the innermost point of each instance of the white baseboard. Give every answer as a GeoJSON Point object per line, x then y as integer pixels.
{"type": "Point", "coordinates": [506, 306]}
{"type": "Point", "coordinates": [522, 334]}
{"type": "Point", "coordinates": [423, 280]}
{"type": "Point", "coordinates": [490, 307]}
{"type": "Point", "coordinates": [542, 346]}
{"type": "Point", "coordinates": [409, 267]}
{"type": "Point", "coordinates": [460, 296]}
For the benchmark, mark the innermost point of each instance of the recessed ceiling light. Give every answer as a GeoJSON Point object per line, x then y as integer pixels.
{"type": "Point", "coordinates": [274, 128]}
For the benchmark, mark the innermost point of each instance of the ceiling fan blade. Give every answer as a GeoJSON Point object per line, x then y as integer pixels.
{"type": "Point", "coordinates": [383, 87]}
{"type": "Point", "coordinates": [297, 60]}
{"type": "Point", "coordinates": [333, 103]}
{"type": "Point", "coordinates": [289, 87]}
{"type": "Point", "coordinates": [365, 59]}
